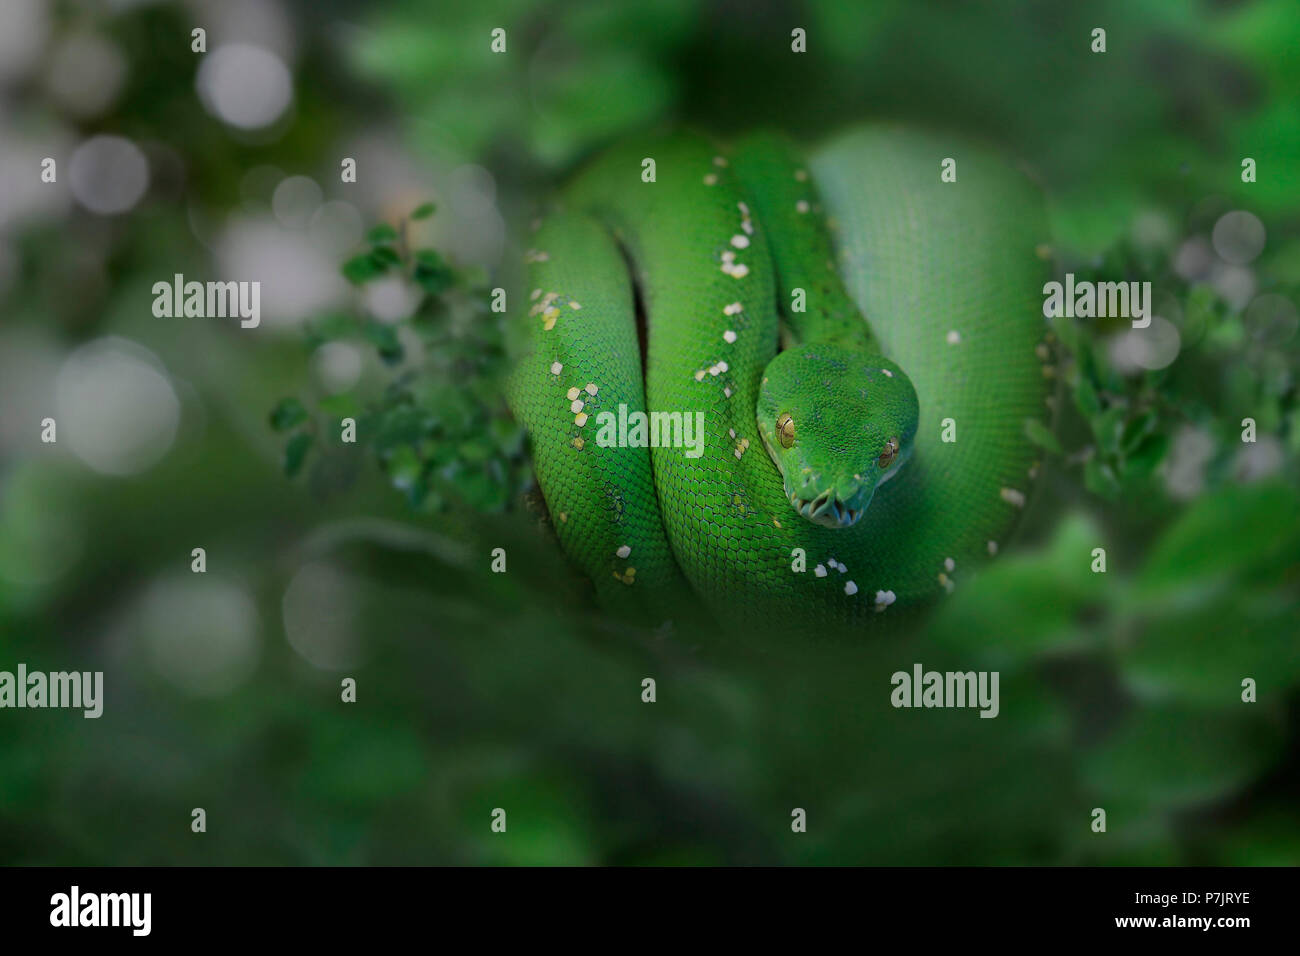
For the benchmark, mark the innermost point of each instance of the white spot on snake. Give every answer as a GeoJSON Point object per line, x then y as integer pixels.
{"type": "Point", "coordinates": [576, 405]}
{"type": "Point", "coordinates": [575, 306]}
{"type": "Point", "coordinates": [728, 256]}
{"type": "Point", "coordinates": [536, 255]}
{"type": "Point", "coordinates": [747, 226]}
{"type": "Point", "coordinates": [572, 393]}
{"type": "Point", "coordinates": [731, 432]}
{"type": "Point", "coordinates": [820, 571]}
{"type": "Point", "coordinates": [556, 368]}
{"type": "Point", "coordinates": [534, 295]}
{"type": "Point", "coordinates": [740, 271]}
{"type": "Point", "coordinates": [578, 443]}
{"type": "Point", "coordinates": [953, 337]}
{"type": "Point", "coordinates": [729, 336]}
{"type": "Point", "coordinates": [580, 419]}
{"type": "Point", "coordinates": [850, 588]}
{"type": "Point", "coordinates": [623, 551]}
{"type": "Point", "coordinates": [949, 564]}
{"type": "Point", "coordinates": [733, 309]}
{"type": "Point", "coordinates": [888, 373]}
{"type": "Point", "coordinates": [699, 375]}
{"type": "Point", "coordinates": [723, 367]}
{"type": "Point", "coordinates": [727, 391]}
{"type": "Point", "coordinates": [744, 210]}
{"type": "Point", "coordinates": [993, 547]}
{"type": "Point", "coordinates": [740, 242]}
{"type": "Point", "coordinates": [802, 206]}
{"type": "Point", "coordinates": [946, 582]}
{"type": "Point", "coordinates": [714, 370]}
{"type": "Point", "coordinates": [884, 599]}
{"type": "Point", "coordinates": [1014, 497]}
{"type": "Point", "coordinates": [711, 179]}
{"type": "Point", "coordinates": [591, 388]}
{"type": "Point", "coordinates": [719, 161]}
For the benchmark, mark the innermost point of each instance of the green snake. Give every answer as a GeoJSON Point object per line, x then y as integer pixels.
{"type": "Point", "coordinates": [859, 339]}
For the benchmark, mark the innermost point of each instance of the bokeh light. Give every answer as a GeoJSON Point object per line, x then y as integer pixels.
{"type": "Point", "coordinates": [321, 617]}
{"type": "Point", "coordinates": [108, 174]}
{"type": "Point", "coordinates": [201, 632]}
{"type": "Point", "coordinates": [245, 86]}
{"type": "Point", "coordinates": [117, 409]}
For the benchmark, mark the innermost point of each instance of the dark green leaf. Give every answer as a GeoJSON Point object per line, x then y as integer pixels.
{"type": "Point", "coordinates": [1085, 396]}
{"type": "Point", "coordinates": [287, 414]}
{"type": "Point", "coordinates": [1099, 478]}
{"type": "Point", "coordinates": [387, 254]}
{"type": "Point", "coordinates": [361, 269]}
{"type": "Point", "coordinates": [384, 338]}
{"type": "Point", "coordinates": [432, 273]}
{"type": "Point", "coordinates": [424, 211]}
{"type": "Point", "coordinates": [295, 453]}
{"type": "Point", "coordinates": [381, 233]}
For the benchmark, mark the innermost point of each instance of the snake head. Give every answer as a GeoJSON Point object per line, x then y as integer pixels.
{"type": "Point", "coordinates": [838, 422]}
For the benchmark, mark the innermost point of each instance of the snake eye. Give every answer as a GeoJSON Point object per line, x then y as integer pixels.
{"type": "Point", "coordinates": [785, 430]}
{"type": "Point", "coordinates": [888, 453]}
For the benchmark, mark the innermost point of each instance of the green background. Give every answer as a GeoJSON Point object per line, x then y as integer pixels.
{"type": "Point", "coordinates": [371, 561]}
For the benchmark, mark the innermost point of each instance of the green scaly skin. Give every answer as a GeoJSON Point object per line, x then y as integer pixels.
{"type": "Point", "coordinates": [949, 277]}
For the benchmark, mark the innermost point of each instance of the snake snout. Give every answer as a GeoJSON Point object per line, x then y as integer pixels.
{"type": "Point", "coordinates": [827, 509]}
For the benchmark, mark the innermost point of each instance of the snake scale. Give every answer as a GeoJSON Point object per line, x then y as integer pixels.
{"type": "Point", "coordinates": [861, 341]}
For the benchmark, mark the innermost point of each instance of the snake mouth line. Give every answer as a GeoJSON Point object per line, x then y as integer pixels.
{"type": "Point", "coordinates": [826, 510]}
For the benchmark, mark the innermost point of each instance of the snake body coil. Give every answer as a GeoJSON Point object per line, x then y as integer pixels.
{"type": "Point", "coordinates": [854, 474]}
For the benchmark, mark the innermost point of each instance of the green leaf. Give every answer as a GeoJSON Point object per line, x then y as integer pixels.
{"type": "Point", "coordinates": [403, 425]}
{"type": "Point", "coordinates": [1173, 756]}
{"type": "Point", "coordinates": [295, 453]}
{"type": "Point", "coordinates": [1042, 436]}
{"type": "Point", "coordinates": [1146, 457]}
{"type": "Point", "coordinates": [1085, 396]}
{"type": "Point", "coordinates": [384, 338]}
{"type": "Point", "coordinates": [387, 254]}
{"type": "Point", "coordinates": [381, 233]}
{"type": "Point", "coordinates": [432, 273]}
{"type": "Point", "coordinates": [1107, 427]}
{"type": "Point", "coordinates": [1047, 589]}
{"type": "Point", "coordinates": [1136, 429]}
{"type": "Point", "coordinates": [1203, 646]}
{"type": "Point", "coordinates": [361, 269]}
{"type": "Point", "coordinates": [1241, 533]}
{"type": "Point", "coordinates": [424, 211]}
{"type": "Point", "coordinates": [287, 414]}
{"type": "Point", "coordinates": [1099, 478]}
{"type": "Point", "coordinates": [404, 467]}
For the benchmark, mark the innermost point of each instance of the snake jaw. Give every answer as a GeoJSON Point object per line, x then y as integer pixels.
{"type": "Point", "coordinates": [827, 510]}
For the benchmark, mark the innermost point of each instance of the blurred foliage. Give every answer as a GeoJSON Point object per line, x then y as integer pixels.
{"type": "Point", "coordinates": [440, 428]}
{"type": "Point", "coordinates": [478, 690]}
